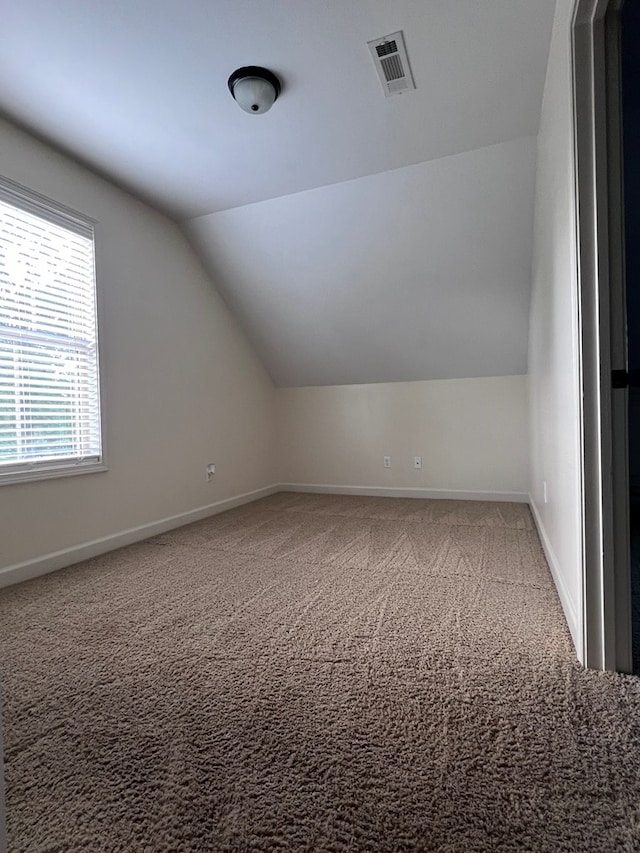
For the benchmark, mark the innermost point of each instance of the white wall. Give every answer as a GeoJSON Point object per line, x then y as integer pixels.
{"type": "Point", "coordinates": [183, 387]}
{"type": "Point", "coordinates": [422, 272]}
{"type": "Point", "coordinates": [553, 346]}
{"type": "Point", "coordinates": [471, 433]}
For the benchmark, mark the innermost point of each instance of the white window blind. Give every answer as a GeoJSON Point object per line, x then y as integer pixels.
{"type": "Point", "coordinates": [49, 378]}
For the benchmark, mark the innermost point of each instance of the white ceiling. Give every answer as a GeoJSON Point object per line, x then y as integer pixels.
{"type": "Point", "coordinates": [357, 238]}
{"type": "Point", "coordinates": [138, 88]}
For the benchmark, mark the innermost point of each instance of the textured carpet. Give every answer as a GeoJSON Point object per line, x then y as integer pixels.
{"type": "Point", "coordinates": [314, 673]}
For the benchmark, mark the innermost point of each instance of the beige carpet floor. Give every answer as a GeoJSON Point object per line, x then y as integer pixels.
{"type": "Point", "coordinates": [314, 673]}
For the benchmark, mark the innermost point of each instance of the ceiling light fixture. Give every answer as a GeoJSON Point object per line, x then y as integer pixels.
{"type": "Point", "coordinates": [254, 88]}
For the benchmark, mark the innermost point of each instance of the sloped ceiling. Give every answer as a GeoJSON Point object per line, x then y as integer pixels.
{"type": "Point", "coordinates": [419, 273]}
{"type": "Point", "coordinates": [358, 238]}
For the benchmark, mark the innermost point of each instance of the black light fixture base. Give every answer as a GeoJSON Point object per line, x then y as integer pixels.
{"type": "Point", "coordinates": [254, 71]}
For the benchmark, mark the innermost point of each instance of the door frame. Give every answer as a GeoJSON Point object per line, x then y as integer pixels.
{"type": "Point", "coordinates": [597, 104]}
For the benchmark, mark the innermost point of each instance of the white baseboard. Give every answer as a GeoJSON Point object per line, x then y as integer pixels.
{"type": "Point", "coordinates": [399, 492]}
{"type": "Point", "coordinates": [68, 556]}
{"type": "Point", "coordinates": [570, 613]}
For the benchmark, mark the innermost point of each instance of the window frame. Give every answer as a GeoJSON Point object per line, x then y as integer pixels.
{"type": "Point", "coordinates": [39, 205]}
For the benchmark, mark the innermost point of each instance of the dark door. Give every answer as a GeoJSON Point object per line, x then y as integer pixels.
{"type": "Point", "coordinates": [631, 140]}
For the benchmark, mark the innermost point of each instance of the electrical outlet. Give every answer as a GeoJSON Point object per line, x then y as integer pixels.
{"type": "Point", "coordinates": [417, 461]}
{"type": "Point", "coordinates": [211, 470]}
{"type": "Point", "coordinates": [386, 461]}
{"type": "Point", "coordinates": [544, 491]}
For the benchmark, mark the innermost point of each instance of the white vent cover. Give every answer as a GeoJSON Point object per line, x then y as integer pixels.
{"type": "Point", "coordinates": [392, 64]}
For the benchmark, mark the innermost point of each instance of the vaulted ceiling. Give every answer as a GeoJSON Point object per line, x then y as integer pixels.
{"type": "Point", "coordinates": [358, 238]}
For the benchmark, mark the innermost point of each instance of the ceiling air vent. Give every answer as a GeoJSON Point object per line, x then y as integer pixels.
{"type": "Point", "coordinates": [392, 64]}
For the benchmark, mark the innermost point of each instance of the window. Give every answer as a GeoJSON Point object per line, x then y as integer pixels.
{"type": "Point", "coordinates": [49, 378]}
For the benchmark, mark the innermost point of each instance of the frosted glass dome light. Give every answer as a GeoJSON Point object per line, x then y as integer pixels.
{"type": "Point", "coordinates": [254, 89]}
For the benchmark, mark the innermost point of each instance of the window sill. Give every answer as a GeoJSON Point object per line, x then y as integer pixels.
{"type": "Point", "coordinates": [51, 472]}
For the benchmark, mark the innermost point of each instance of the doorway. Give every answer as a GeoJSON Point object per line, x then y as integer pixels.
{"type": "Point", "coordinates": [598, 116]}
